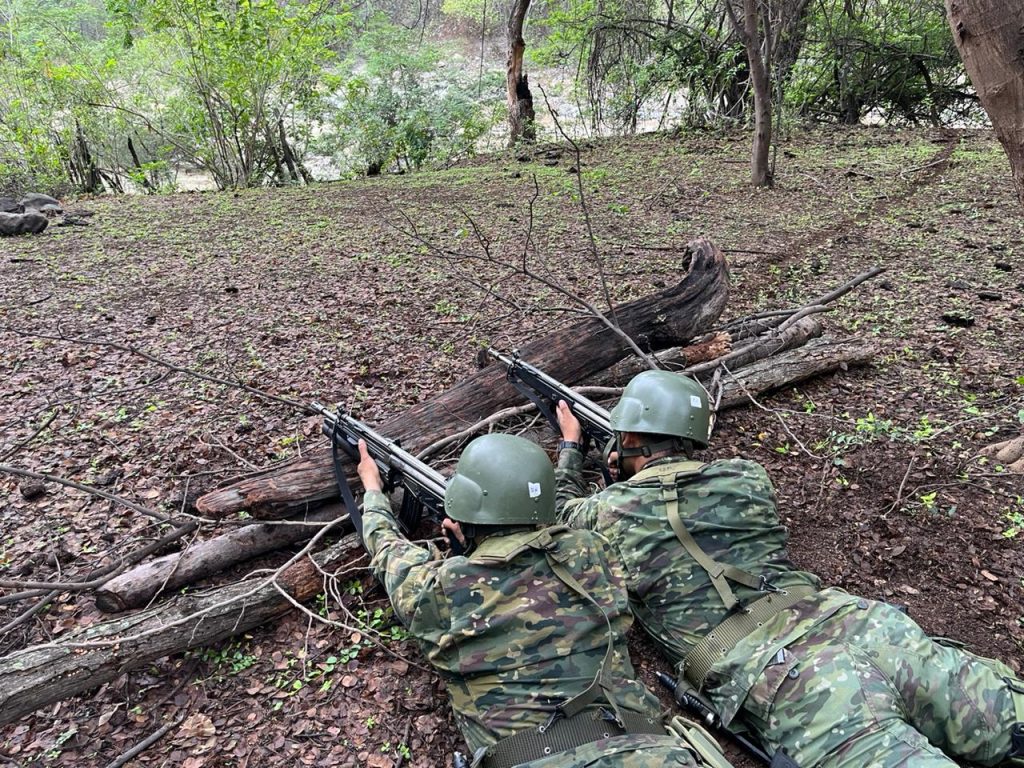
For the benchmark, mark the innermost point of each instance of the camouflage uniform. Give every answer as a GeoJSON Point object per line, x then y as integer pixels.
{"type": "Point", "coordinates": [513, 643]}
{"type": "Point", "coordinates": [835, 680]}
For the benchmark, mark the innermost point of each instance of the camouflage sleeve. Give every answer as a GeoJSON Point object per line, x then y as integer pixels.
{"type": "Point", "coordinates": [571, 504]}
{"type": "Point", "coordinates": [407, 571]}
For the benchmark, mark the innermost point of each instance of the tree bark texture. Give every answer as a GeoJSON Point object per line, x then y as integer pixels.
{"type": "Point", "coordinates": [521, 114]}
{"type": "Point", "coordinates": [135, 588]}
{"type": "Point", "coordinates": [990, 37]}
{"type": "Point", "coordinates": [666, 318]}
{"type": "Point", "coordinates": [42, 674]}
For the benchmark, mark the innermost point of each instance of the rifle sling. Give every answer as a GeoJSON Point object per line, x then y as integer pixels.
{"type": "Point", "coordinates": [343, 487]}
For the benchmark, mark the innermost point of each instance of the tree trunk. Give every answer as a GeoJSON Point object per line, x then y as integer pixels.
{"type": "Point", "coordinates": [137, 587]}
{"type": "Point", "coordinates": [40, 675]}
{"type": "Point", "coordinates": [760, 171]}
{"type": "Point", "coordinates": [521, 114]}
{"type": "Point", "coordinates": [748, 29]}
{"type": "Point", "coordinates": [990, 37]}
{"type": "Point", "coordinates": [666, 318]}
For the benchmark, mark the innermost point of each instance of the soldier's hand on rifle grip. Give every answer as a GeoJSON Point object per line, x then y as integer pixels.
{"type": "Point", "coordinates": [367, 470]}
{"type": "Point", "coordinates": [453, 532]}
{"type": "Point", "coordinates": [568, 423]}
{"type": "Point", "coordinates": [613, 465]}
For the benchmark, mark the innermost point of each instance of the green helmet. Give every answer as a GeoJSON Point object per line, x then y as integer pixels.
{"type": "Point", "coordinates": [664, 403]}
{"type": "Point", "coordinates": [502, 480]}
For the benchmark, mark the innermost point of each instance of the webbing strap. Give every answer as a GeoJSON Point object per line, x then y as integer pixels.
{"type": "Point", "coordinates": [727, 635]}
{"type": "Point", "coordinates": [719, 573]}
{"type": "Point", "coordinates": [562, 735]}
{"type": "Point", "coordinates": [602, 682]}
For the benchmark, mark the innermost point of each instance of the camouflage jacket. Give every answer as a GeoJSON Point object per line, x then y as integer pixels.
{"type": "Point", "coordinates": [511, 640]}
{"type": "Point", "coordinates": [734, 520]}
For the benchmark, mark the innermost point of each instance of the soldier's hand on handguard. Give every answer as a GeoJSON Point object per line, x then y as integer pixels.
{"type": "Point", "coordinates": [568, 423]}
{"type": "Point", "coordinates": [367, 470]}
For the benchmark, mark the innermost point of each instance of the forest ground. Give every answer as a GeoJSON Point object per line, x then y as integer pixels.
{"type": "Point", "coordinates": [316, 293]}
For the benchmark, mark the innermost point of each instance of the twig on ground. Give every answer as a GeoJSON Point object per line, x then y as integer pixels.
{"type": "Point", "coordinates": [774, 413]}
{"type": "Point", "coordinates": [103, 575]}
{"type": "Point", "coordinates": [28, 614]}
{"type": "Point", "coordinates": [94, 491]}
{"type": "Point", "coordinates": [46, 422]}
{"type": "Point", "coordinates": [903, 483]}
{"type": "Point", "coordinates": [166, 364]}
{"type": "Point", "coordinates": [146, 743]}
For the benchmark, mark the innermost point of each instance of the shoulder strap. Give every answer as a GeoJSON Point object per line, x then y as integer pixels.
{"type": "Point", "coordinates": [676, 471]}
{"type": "Point", "coordinates": [721, 574]}
{"type": "Point", "coordinates": [495, 550]}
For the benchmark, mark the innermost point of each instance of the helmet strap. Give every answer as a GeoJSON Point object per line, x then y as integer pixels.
{"type": "Point", "coordinates": [647, 450]}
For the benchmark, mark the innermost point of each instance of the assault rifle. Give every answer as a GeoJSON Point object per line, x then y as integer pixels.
{"type": "Point", "coordinates": [695, 705]}
{"type": "Point", "coordinates": [424, 487]}
{"type": "Point", "coordinates": [545, 392]}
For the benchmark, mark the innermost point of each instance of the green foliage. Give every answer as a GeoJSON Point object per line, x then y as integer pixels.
{"type": "Point", "coordinates": [406, 103]}
{"type": "Point", "coordinates": [473, 14]}
{"type": "Point", "coordinates": [633, 56]}
{"type": "Point", "coordinates": [239, 71]}
{"type": "Point", "coordinates": [51, 68]}
{"type": "Point", "coordinates": [894, 60]}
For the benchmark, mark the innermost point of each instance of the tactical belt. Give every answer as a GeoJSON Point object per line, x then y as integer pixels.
{"type": "Point", "coordinates": [564, 734]}
{"type": "Point", "coordinates": [727, 635]}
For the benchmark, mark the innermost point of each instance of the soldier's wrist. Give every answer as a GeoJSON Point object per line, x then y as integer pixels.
{"type": "Point", "coordinates": [570, 444]}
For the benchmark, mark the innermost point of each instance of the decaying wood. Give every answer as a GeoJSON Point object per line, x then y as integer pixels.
{"type": "Point", "coordinates": [135, 588]}
{"type": "Point", "coordinates": [815, 358]}
{"type": "Point", "coordinates": [760, 323]}
{"type": "Point", "coordinates": [1008, 452]}
{"type": "Point", "coordinates": [713, 346]}
{"type": "Point", "coordinates": [796, 331]}
{"type": "Point", "coordinates": [666, 318]}
{"type": "Point", "coordinates": [42, 674]}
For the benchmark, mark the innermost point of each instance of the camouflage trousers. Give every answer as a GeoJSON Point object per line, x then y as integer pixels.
{"type": "Point", "coordinates": [868, 689]}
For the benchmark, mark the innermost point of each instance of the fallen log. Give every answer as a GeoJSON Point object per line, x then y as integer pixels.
{"type": "Point", "coordinates": [671, 316]}
{"type": "Point", "coordinates": [816, 358]}
{"type": "Point", "coordinates": [137, 587]}
{"type": "Point", "coordinates": [710, 348]}
{"type": "Point", "coordinates": [42, 674]}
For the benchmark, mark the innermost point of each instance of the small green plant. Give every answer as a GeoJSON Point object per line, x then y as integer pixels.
{"type": "Point", "coordinates": [229, 660]}
{"type": "Point", "coordinates": [445, 308]}
{"type": "Point", "coordinates": [1014, 519]}
{"type": "Point", "coordinates": [928, 499]}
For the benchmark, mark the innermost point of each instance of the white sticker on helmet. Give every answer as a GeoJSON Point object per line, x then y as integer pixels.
{"type": "Point", "coordinates": [534, 490]}
{"type": "Point", "coordinates": [694, 401]}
